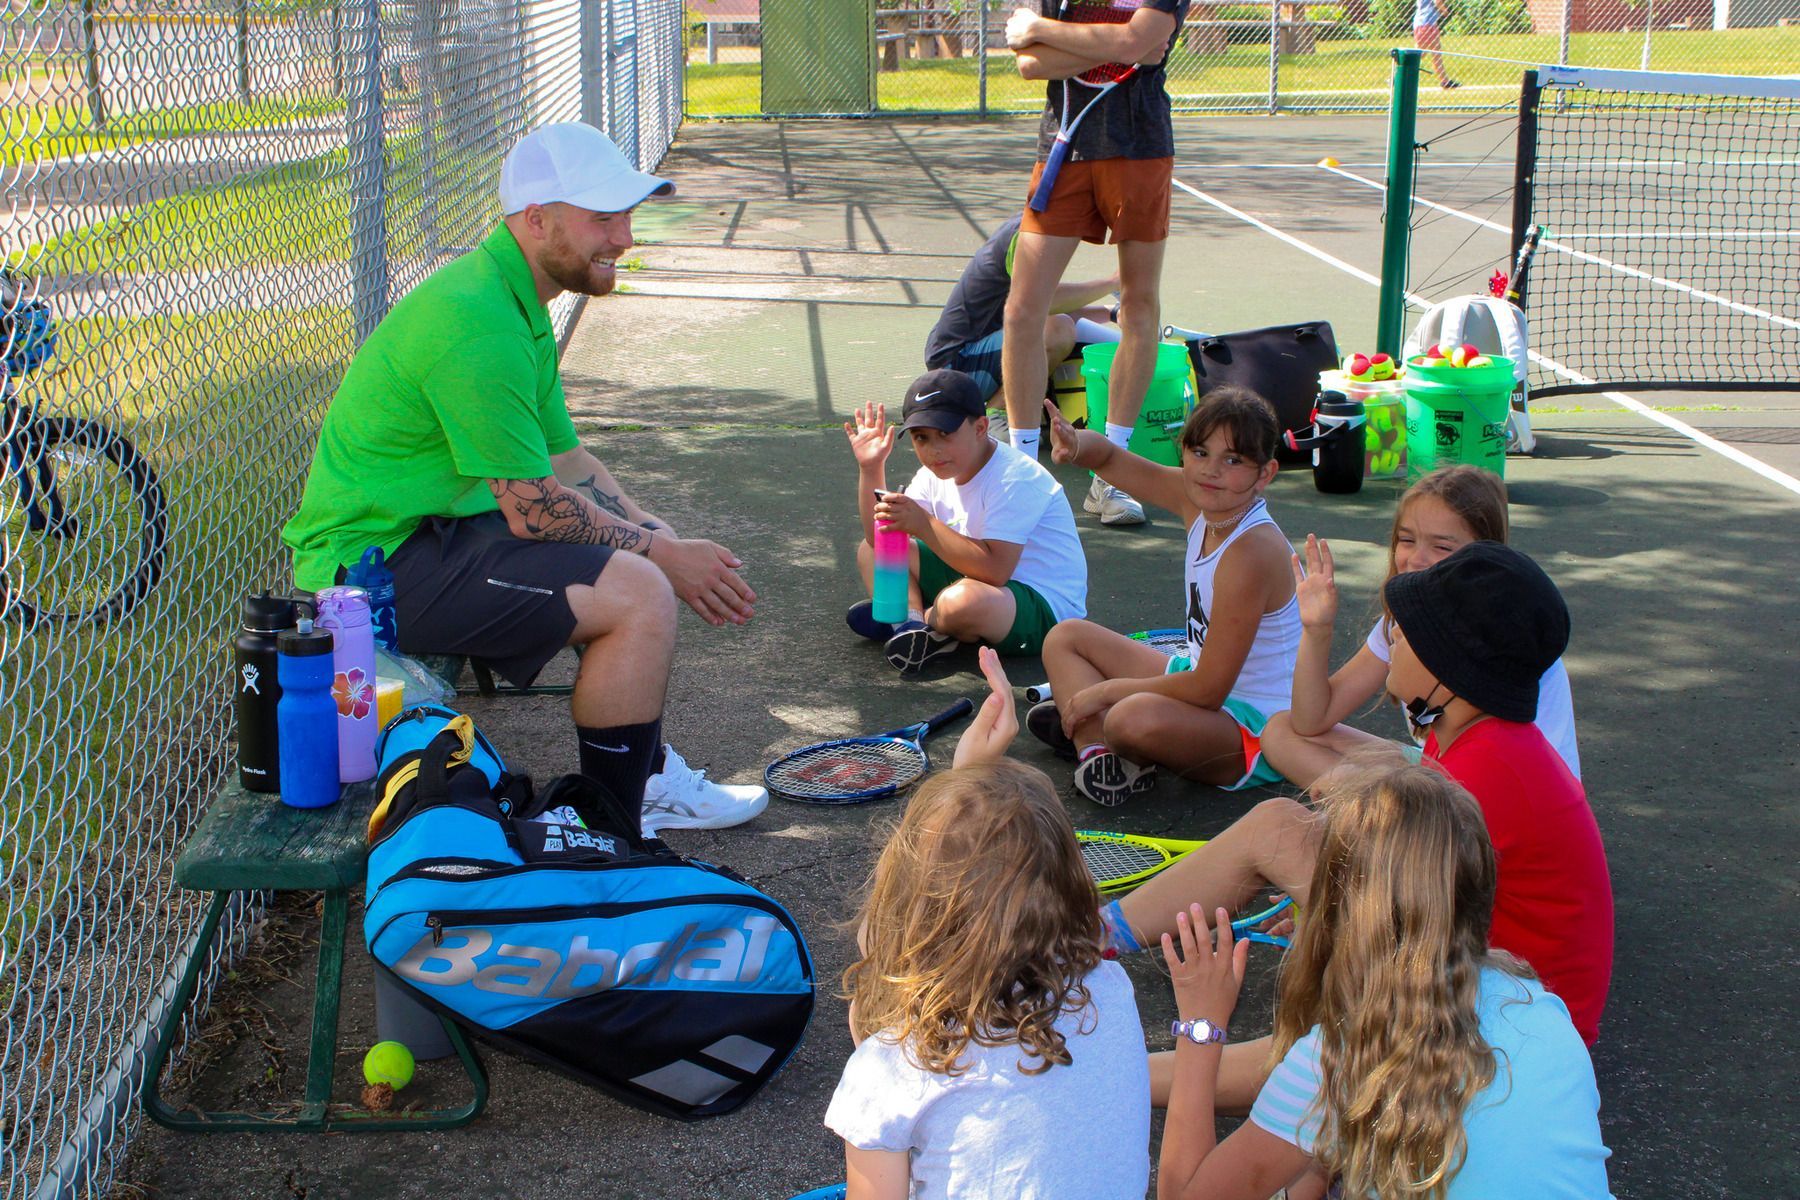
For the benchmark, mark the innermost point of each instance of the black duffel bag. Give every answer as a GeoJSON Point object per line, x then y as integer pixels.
{"type": "Point", "coordinates": [1280, 363]}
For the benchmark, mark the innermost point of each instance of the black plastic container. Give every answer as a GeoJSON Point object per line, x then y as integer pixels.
{"type": "Point", "coordinates": [1337, 443]}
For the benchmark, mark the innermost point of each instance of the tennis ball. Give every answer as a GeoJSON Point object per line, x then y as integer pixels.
{"type": "Point", "coordinates": [1460, 356]}
{"type": "Point", "coordinates": [390, 1063]}
{"type": "Point", "coordinates": [1385, 463]}
{"type": "Point", "coordinates": [1480, 360]}
{"type": "Point", "coordinates": [1434, 360]}
{"type": "Point", "coordinates": [1381, 367]}
{"type": "Point", "coordinates": [1357, 367]}
{"type": "Point", "coordinates": [1381, 418]}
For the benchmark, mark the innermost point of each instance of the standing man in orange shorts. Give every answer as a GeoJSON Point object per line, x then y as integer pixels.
{"type": "Point", "coordinates": [1113, 187]}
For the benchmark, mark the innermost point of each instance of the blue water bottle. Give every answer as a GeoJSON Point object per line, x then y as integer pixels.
{"type": "Point", "coordinates": [306, 717]}
{"type": "Point", "coordinates": [370, 573]}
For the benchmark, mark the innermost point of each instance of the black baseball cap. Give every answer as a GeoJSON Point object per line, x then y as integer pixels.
{"type": "Point", "coordinates": [1487, 622]}
{"type": "Point", "coordinates": [942, 400]}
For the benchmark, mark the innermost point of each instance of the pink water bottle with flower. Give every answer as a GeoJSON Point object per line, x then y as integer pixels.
{"type": "Point", "coordinates": [345, 612]}
{"type": "Point", "coordinates": [892, 573]}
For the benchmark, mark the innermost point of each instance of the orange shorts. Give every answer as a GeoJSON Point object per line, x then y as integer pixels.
{"type": "Point", "coordinates": [1127, 196]}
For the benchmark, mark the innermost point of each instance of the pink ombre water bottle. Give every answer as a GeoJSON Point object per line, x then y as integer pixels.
{"type": "Point", "coordinates": [345, 612]}
{"type": "Point", "coordinates": [892, 569]}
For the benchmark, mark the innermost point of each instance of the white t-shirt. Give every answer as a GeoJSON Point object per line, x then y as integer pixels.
{"type": "Point", "coordinates": [1081, 1130]}
{"type": "Point", "coordinates": [1266, 680]}
{"type": "Point", "coordinates": [1556, 704]}
{"type": "Point", "coordinates": [1013, 499]}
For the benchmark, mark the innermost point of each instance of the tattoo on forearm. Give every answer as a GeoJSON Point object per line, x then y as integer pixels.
{"type": "Point", "coordinates": [551, 514]}
{"type": "Point", "coordinates": [610, 501]}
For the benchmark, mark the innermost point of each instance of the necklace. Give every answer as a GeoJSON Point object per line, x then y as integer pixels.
{"type": "Point", "coordinates": [1223, 526]}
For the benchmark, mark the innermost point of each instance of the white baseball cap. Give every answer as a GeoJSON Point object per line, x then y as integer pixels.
{"type": "Point", "coordinates": [573, 163]}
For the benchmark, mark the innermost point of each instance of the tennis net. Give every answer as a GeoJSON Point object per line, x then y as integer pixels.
{"type": "Point", "coordinates": [1671, 205]}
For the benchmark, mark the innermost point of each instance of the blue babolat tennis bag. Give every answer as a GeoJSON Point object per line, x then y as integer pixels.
{"type": "Point", "coordinates": [551, 928]}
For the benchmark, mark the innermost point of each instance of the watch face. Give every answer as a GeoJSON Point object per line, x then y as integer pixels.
{"type": "Point", "coordinates": [1199, 1031]}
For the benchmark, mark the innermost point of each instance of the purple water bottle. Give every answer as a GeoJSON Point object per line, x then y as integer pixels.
{"type": "Point", "coordinates": [307, 717]}
{"type": "Point", "coordinates": [345, 612]}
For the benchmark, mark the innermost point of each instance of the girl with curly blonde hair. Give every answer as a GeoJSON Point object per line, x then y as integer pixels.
{"type": "Point", "coordinates": [1411, 1060]}
{"type": "Point", "coordinates": [997, 1052]}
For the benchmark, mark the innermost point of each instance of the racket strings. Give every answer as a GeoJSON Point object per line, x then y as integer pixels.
{"type": "Point", "coordinates": [1103, 14]}
{"type": "Point", "coordinates": [847, 769]}
{"type": "Point", "coordinates": [1108, 861]}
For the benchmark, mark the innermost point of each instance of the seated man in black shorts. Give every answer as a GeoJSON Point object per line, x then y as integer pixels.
{"type": "Point", "coordinates": [969, 332]}
{"type": "Point", "coordinates": [450, 446]}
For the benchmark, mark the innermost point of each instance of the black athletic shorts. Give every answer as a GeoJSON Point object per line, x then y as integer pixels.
{"type": "Point", "coordinates": [467, 585]}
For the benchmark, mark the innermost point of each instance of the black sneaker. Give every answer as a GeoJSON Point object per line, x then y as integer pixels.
{"type": "Point", "coordinates": [914, 644]}
{"type": "Point", "coordinates": [1110, 781]}
{"type": "Point", "coordinates": [1045, 723]}
{"type": "Point", "coordinates": [861, 619]}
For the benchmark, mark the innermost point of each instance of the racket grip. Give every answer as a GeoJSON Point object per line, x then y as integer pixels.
{"type": "Point", "coordinates": [1038, 693]}
{"type": "Point", "coordinates": [1059, 150]}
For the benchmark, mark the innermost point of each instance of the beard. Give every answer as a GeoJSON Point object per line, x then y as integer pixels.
{"type": "Point", "coordinates": [572, 272]}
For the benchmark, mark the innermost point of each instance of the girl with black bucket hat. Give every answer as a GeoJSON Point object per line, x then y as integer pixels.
{"type": "Point", "coordinates": [1474, 633]}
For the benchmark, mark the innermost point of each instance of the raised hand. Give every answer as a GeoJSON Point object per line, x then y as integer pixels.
{"type": "Point", "coordinates": [1315, 585]}
{"type": "Point", "coordinates": [1206, 979]}
{"type": "Point", "coordinates": [871, 437]}
{"type": "Point", "coordinates": [1065, 439]}
{"type": "Point", "coordinates": [996, 721]}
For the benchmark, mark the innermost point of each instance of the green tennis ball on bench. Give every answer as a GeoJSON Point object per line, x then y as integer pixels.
{"type": "Point", "coordinates": [390, 1063]}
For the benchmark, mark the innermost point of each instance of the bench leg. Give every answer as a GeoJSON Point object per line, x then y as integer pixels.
{"type": "Point", "coordinates": [317, 1113]}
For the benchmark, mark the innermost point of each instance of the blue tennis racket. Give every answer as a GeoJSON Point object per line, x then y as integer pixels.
{"type": "Point", "coordinates": [1249, 929]}
{"type": "Point", "coordinates": [855, 770]}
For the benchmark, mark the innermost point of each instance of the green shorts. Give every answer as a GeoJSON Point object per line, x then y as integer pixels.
{"type": "Point", "coordinates": [1250, 721]}
{"type": "Point", "coordinates": [1032, 618]}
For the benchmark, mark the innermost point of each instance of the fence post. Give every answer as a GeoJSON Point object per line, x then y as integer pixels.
{"type": "Point", "coordinates": [1403, 122]}
{"type": "Point", "coordinates": [1568, 19]}
{"type": "Point", "coordinates": [243, 50]}
{"type": "Point", "coordinates": [90, 54]}
{"type": "Point", "coordinates": [981, 20]}
{"type": "Point", "coordinates": [1274, 54]}
{"type": "Point", "coordinates": [366, 174]}
{"type": "Point", "coordinates": [593, 29]}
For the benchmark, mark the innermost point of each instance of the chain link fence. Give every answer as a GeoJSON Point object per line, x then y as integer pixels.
{"type": "Point", "coordinates": [207, 206]}
{"type": "Point", "coordinates": [749, 58]}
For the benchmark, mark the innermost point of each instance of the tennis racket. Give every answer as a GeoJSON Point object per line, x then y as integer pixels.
{"type": "Point", "coordinates": [1246, 927]}
{"type": "Point", "coordinates": [1095, 83]}
{"type": "Point", "coordinates": [1515, 283]}
{"type": "Point", "coordinates": [1170, 641]}
{"type": "Point", "coordinates": [854, 770]}
{"type": "Point", "coordinates": [1121, 861]}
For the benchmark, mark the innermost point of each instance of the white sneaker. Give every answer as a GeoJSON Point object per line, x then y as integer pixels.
{"type": "Point", "coordinates": [680, 797]}
{"type": "Point", "coordinates": [1113, 506]}
{"type": "Point", "coordinates": [998, 429]}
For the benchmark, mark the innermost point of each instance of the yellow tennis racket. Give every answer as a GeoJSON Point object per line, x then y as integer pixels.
{"type": "Point", "coordinates": [1121, 861]}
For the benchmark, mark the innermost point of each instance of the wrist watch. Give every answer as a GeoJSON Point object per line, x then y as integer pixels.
{"type": "Point", "coordinates": [1199, 1031]}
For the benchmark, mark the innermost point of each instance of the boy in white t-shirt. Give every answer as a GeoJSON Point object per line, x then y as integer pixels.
{"type": "Point", "coordinates": [995, 557]}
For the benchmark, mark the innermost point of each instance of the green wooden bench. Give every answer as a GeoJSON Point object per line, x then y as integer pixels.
{"type": "Point", "coordinates": [249, 842]}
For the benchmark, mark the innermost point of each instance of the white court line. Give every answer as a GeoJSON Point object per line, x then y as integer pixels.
{"type": "Point", "coordinates": [1779, 478]}
{"type": "Point", "coordinates": [1620, 268]}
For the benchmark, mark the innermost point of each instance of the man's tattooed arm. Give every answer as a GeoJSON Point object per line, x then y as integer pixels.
{"type": "Point", "coordinates": [612, 502]}
{"type": "Point", "coordinates": [545, 511]}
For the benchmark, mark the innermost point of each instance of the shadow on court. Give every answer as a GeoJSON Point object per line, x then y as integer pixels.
{"type": "Point", "coordinates": [795, 278]}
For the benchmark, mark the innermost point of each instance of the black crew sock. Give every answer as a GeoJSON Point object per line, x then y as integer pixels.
{"type": "Point", "coordinates": [620, 757]}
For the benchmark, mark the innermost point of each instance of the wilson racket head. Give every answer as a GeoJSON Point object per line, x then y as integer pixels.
{"type": "Point", "coordinates": [1170, 641]}
{"type": "Point", "coordinates": [855, 770]}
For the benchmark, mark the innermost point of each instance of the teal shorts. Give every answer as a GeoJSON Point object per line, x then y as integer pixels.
{"type": "Point", "coordinates": [1250, 721]}
{"type": "Point", "coordinates": [1032, 618]}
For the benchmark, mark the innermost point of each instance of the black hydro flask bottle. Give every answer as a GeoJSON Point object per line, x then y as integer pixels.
{"type": "Point", "coordinates": [257, 688]}
{"type": "Point", "coordinates": [1337, 443]}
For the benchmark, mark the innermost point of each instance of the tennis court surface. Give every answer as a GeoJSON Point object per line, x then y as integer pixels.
{"type": "Point", "coordinates": [795, 277]}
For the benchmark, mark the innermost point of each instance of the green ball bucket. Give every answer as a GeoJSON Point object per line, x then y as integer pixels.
{"type": "Point", "coordinates": [1166, 404]}
{"type": "Point", "coordinates": [1457, 415]}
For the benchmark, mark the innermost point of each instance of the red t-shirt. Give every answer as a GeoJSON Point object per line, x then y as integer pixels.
{"type": "Point", "coordinates": [1554, 905]}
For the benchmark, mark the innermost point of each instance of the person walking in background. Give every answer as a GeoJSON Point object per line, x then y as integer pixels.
{"type": "Point", "coordinates": [1428, 16]}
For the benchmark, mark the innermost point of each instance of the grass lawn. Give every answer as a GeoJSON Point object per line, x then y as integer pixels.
{"type": "Point", "coordinates": [60, 128]}
{"type": "Point", "coordinates": [1344, 73]}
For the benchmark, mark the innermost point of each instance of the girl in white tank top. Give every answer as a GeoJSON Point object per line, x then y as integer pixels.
{"type": "Point", "coordinates": [1121, 709]}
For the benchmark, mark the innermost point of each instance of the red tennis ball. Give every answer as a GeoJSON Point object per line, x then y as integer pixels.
{"type": "Point", "coordinates": [1357, 367]}
{"type": "Point", "coordinates": [1470, 351]}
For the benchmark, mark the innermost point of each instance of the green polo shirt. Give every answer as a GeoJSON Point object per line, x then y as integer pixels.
{"type": "Point", "coordinates": [456, 386]}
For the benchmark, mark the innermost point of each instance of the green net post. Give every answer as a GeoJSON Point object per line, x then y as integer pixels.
{"type": "Point", "coordinates": [1403, 124]}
